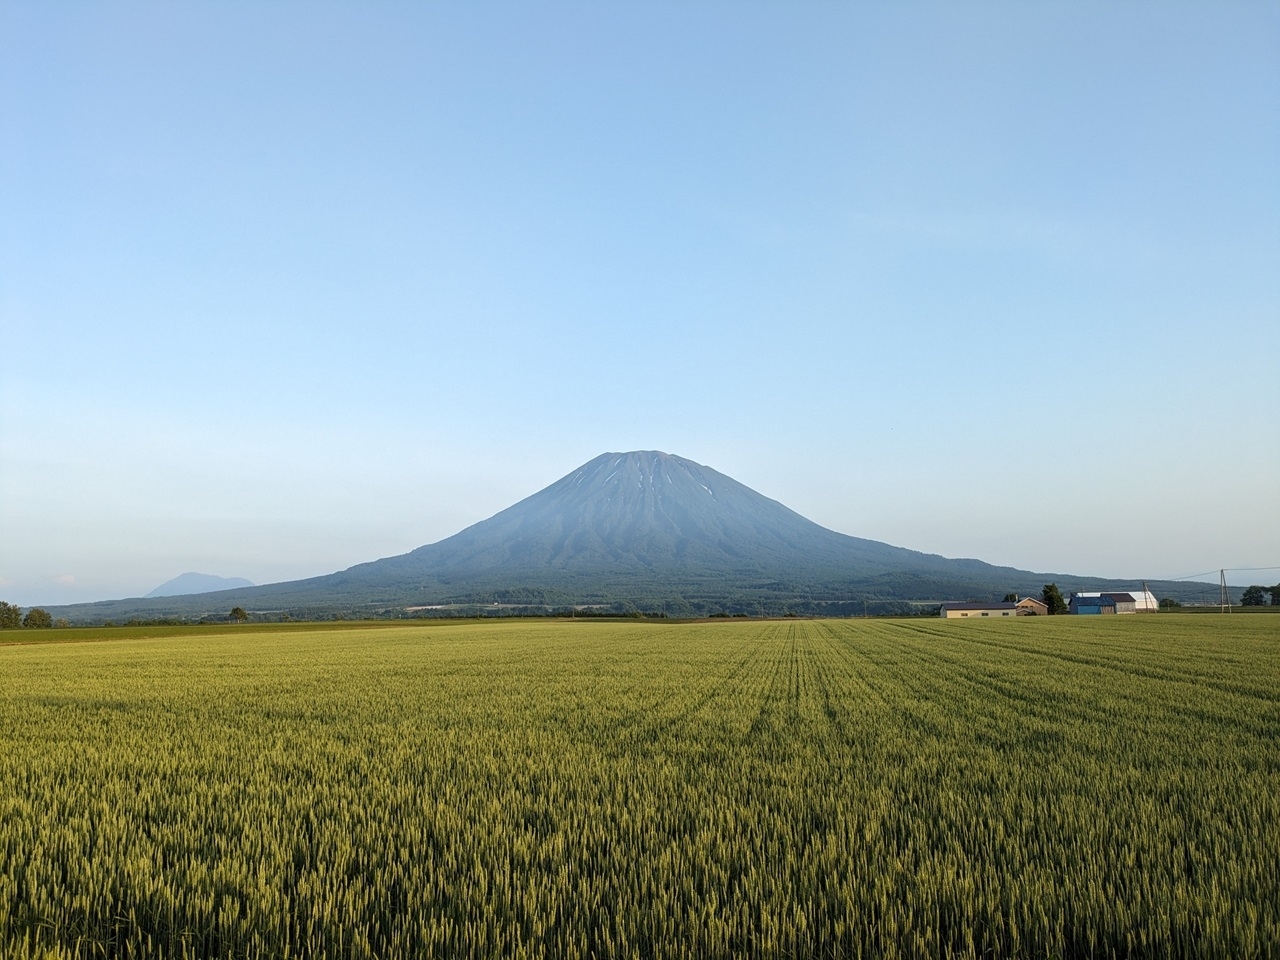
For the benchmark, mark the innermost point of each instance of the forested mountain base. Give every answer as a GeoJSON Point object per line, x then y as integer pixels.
{"type": "Point", "coordinates": [1054, 787]}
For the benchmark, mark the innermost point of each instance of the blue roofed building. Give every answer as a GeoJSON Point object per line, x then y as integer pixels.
{"type": "Point", "coordinates": [1093, 603]}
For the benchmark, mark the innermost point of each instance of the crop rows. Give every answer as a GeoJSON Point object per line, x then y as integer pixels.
{"type": "Point", "coordinates": [1051, 788]}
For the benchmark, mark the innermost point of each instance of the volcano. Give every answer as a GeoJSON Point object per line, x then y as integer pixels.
{"type": "Point", "coordinates": [638, 528]}
{"type": "Point", "coordinates": [646, 523]}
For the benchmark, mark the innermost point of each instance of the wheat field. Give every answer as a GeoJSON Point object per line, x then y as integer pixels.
{"type": "Point", "coordinates": [1053, 787]}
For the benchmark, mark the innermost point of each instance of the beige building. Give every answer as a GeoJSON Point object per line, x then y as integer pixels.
{"type": "Point", "coordinates": [1031, 607]}
{"type": "Point", "coordinates": [955, 611]}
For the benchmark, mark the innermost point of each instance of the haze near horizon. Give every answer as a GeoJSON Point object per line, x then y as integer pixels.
{"type": "Point", "coordinates": [290, 288]}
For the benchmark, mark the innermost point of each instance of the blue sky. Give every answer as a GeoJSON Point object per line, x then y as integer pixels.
{"type": "Point", "coordinates": [287, 287]}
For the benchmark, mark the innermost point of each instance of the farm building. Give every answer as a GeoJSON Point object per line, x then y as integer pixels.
{"type": "Point", "coordinates": [1031, 607]}
{"type": "Point", "coordinates": [952, 611]}
{"type": "Point", "coordinates": [1133, 601]}
{"type": "Point", "coordinates": [1144, 601]}
{"type": "Point", "coordinates": [1092, 603]}
{"type": "Point", "coordinates": [1125, 602]}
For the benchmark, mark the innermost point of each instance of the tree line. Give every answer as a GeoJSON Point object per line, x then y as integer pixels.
{"type": "Point", "coordinates": [11, 617]}
{"type": "Point", "coordinates": [1256, 596]}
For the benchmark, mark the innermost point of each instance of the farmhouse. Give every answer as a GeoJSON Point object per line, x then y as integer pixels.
{"type": "Point", "coordinates": [1031, 607]}
{"type": "Point", "coordinates": [952, 611]}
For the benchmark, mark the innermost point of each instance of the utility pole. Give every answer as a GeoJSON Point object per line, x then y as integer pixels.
{"type": "Point", "coordinates": [1224, 596]}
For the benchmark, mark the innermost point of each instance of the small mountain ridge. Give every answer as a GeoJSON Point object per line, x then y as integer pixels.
{"type": "Point", "coordinates": [192, 583]}
{"type": "Point", "coordinates": [645, 528]}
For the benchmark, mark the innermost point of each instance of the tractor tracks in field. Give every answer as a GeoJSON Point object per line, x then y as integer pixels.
{"type": "Point", "coordinates": [1130, 668]}
{"type": "Point", "coordinates": [669, 715]}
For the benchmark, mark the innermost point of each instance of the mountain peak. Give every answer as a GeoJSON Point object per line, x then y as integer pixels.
{"type": "Point", "coordinates": [644, 469]}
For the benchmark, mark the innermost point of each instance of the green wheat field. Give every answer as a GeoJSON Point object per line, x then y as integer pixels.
{"type": "Point", "coordinates": [1053, 787]}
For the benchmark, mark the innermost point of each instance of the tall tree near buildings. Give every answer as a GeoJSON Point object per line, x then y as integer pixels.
{"type": "Point", "coordinates": [1052, 598]}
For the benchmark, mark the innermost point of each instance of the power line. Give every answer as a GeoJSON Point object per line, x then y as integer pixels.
{"type": "Point", "coordinates": [1193, 576]}
{"type": "Point", "coordinates": [1221, 570]}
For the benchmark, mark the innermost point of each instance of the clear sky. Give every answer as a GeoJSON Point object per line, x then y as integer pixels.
{"type": "Point", "coordinates": [286, 287]}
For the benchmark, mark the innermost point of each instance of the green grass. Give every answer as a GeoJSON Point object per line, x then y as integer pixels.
{"type": "Point", "coordinates": [1047, 788]}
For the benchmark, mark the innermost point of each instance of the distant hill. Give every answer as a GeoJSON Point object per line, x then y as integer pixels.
{"type": "Point", "coordinates": [191, 583]}
{"type": "Point", "coordinates": [642, 528]}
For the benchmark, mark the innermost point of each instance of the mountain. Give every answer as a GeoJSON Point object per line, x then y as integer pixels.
{"type": "Point", "coordinates": [189, 583]}
{"type": "Point", "coordinates": [642, 523]}
{"type": "Point", "coordinates": [646, 529]}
